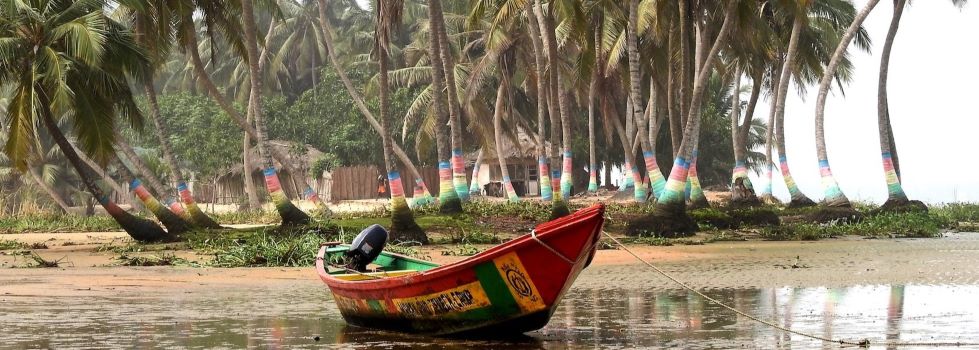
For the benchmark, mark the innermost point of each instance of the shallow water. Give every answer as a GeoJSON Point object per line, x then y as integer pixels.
{"type": "Point", "coordinates": [305, 317]}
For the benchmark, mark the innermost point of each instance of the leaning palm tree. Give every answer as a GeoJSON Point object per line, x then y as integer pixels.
{"type": "Point", "coordinates": [290, 214]}
{"type": "Point", "coordinates": [69, 60]}
{"type": "Point", "coordinates": [152, 29]}
{"type": "Point", "coordinates": [403, 226]}
{"type": "Point", "coordinates": [559, 97]}
{"type": "Point", "coordinates": [896, 198]}
{"type": "Point", "coordinates": [834, 197]}
{"type": "Point", "coordinates": [455, 110]}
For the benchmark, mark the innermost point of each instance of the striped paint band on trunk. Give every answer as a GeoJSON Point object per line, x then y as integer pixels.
{"type": "Point", "coordinates": [567, 173]}
{"type": "Point", "coordinates": [474, 185]}
{"type": "Point", "coordinates": [592, 179]}
{"type": "Point", "coordinates": [766, 188]}
{"type": "Point", "coordinates": [144, 195]}
{"type": "Point", "coordinates": [446, 190]}
{"type": "Point", "coordinates": [830, 187]}
{"type": "Point", "coordinates": [894, 188]}
{"type": "Point", "coordinates": [176, 208]}
{"type": "Point", "coordinates": [626, 177]}
{"type": "Point", "coordinates": [421, 196]}
{"type": "Point", "coordinates": [675, 186]}
{"type": "Point", "coordinates": [639, 189]}
{"type": "Point", "coordinates": [274, 188]}
{"type": "Point", "coordinates": [546, 191]}
{"type": "Point", "coordinates": [794, 191]}
{"type": "Point", "coordinates": [556, 184]}
{"type": "Point", "coordinates": [184, 192]}
{"type": "Point", "coordinates": [459, 175]}
{"type": "Point", "coordinates": [741, 172]}
{"type": "Point", "coordinates": [696, 191]}
{"type": "Point", "coordinates": [508, 187]}
{"type": "Point", "coordinates": [397, 188]}
{"type": "Point", "coordinates": [656, 179]}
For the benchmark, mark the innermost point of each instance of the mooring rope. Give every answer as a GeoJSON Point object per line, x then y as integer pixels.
{"type": "Point", "coordinates": [861, 343]}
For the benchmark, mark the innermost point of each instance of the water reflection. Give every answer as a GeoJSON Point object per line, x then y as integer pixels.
{"type": "Point", "coordinates": [304, 317]}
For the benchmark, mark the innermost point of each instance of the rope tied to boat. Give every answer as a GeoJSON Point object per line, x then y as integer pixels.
{"type": "Point", "coordinates": [862, 343]}
{"type": "Point", "coordinates": [533, 235]}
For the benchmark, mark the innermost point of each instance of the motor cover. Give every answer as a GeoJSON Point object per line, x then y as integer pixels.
{"type": "Point", "coordinates": [366, 247]}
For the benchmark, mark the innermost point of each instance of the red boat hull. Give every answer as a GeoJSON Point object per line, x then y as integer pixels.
{"type": "Point", "coordinates": [512, 288]}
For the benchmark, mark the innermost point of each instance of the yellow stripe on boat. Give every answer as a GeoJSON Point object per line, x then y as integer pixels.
{"type": "Point", "coordinates": [519, 282]}
{"type": "Point", "coordinates": [460, 299]}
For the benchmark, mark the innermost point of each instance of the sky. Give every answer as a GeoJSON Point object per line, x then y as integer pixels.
{"type": "Point", "coordinates": [932, 81]}
{"type": "Point", "coordinates": [931, 86]}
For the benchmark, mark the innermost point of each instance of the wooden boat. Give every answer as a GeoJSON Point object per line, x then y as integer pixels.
{"type": "Point", "coordinates": [507, 290]}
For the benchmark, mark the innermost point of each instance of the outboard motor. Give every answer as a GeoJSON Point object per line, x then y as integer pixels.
{"type": "Point", "coordinates": [366, 247]}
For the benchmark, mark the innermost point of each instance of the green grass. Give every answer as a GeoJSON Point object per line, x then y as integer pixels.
{"type": "Point", "coordinates": [875, 226]}
{"type": "Point", "coordinates": [11, 245]}
{"type": "Point", "coordinates": [958, 212]}
{"type": "Point", "coordinates": [57, 223]}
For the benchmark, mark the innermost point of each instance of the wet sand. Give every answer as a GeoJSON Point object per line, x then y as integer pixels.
{"type": "Point", "coordinates": [951, 260]}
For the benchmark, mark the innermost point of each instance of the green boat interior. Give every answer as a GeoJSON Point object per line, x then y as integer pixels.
{"type": "Point", "coordinates": [386, 265]}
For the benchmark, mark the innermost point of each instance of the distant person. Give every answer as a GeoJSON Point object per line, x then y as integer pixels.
{"type": "Point", "coordinates": [382, 186]}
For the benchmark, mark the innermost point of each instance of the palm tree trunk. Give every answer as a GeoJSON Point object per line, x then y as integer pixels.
{"type": "Point", "coordinates": [174, 224]}
{"type": "Point", "coordinates": [204, 79]}
{"type": "Point", "coordinates": [542, 93]}
{"type": "Point", "coordinates": [895, 192]}
{"type": "Point", "coordinates": [766, 190]}
{"type": "Point", "coordinates": [549, 46]}
{"type": "Point", "coordinates": [696, 196]}
{"type": "Point", "coordinates": [403, 226]}
{"type": "Point", "coordinates": [834, 197]}
{"type": "Point", "coordinates": [474, 189]}
{"type": "Point", "coordinates": [104, 176]}
{"type": "Point", "coordinates": [636, 112]}
{"type": "Point", "coordinates": [192, 213]}
{"type": "Point", "coordinates": [291, 215]}
{"type": "Point", "coordinates": [138, 228]}
{"type": "Point", "coordinates": [742, 192]}
{"type": "Point", "coordinates": [657, 183]}
{"type": "Point", "coordinates": [498, 138]}
{"type": "Point", "coordinates": [670, 206]}
{"type": "Point", "coordinates": [55, 196]}
{"type": "Point", "coordinates": [362, 106]}
{"type": "Point", "coordinates": [455, 111]}
{"type": "Point", "coordinates": [250, 190]}
{"type": "Point", "coordinates": [592, 94]}
{"type": "Point", "coordinates": [630, 171]}
{"type": "Point", "coordinates": [798, 199]}
{"type": "Point", "coordinates": [449, 202]}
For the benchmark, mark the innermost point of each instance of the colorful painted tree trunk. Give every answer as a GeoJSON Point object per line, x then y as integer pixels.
{"type": "Point", "coordinates": [656, 180]}
{"type": "Point", "coordinates": [894, 189]}
{"type": "Point", "coordinates": [289, 213]}
{"type": "Point", "coordinates": [421, 195]}
{"type": "Point", "coordinates": [474, 189]}
{"type": "Point", "coordinates": [448, 196]}
{"type": "Point", "coordinates": [556, 184]}
{"type": "Point", "coordinates": [675, 191]}
{"type": "Point", "coordinates": [188, 199]}
{"type": "Point", "coordinates": [173, 223]}
{"type": "Point", "coordinates": [766, 187]}
{"type": "Point", "coordinates": [697, 198]}
{"type": "Point", "coordinates": [567, 172]}
{"type": "Point", "coordinates": [834, 196]}
{"type": "Point", "coordinates": [459, 175]}
{"type": "Point", "coordinates": [546, 191]}
{"type": "Point", "coordinates": [794, 192]}
{"type": "Point", "coordinates": [627, 180]}
{"type": "Point", "coordinates": [739, 177]}
{"type": "Point", "coordinates": [592, 179]}
{"type": "Point", "coordinates": [510, 193]}
{"type": "Point", "coordinates": [639, 188]}
{"type": "Point", "coordinates": [401, 215]}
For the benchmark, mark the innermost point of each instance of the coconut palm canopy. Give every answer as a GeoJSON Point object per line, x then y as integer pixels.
{"type": "Point", "coordinates": [669, 92]}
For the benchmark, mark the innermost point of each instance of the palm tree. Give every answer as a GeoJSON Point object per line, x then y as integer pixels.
{"type": "Point", "coordinates": [362, 106]}
{"type": "Point", "coordinates": [798, 199]}
{"type": "Point", "coordinates": [69, 59]}
{"type": "Point", "coordinates": [449, 202]}
{"type": "Point", "coordinates": [557, 98]}
{"type": "Point", "coordinates": [153, 33]}
{"type": "Point", "coordinates": [670, 208]}
{"type": "Point", "coordinates": [834, 197]}
{"type": "Point", "coordinates": [546, 191]}
{"type": "Point", "coordinates": [173, 223]}
{"type": "Point", "coordinates": [501, 105]}
{"type": "Point", "coordinates": [896, 197]}
{"type": "Point", "coordinates": [289, 213]}
{"type": "Point", "coordinates": [455, 111]}
{"type": "Point", "coordinates": [403, 226]}
{"type": "Point", "coordinates": [474, 184]}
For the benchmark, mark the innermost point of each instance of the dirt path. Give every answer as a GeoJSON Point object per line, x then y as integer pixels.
{"type": "Point", "coordinates": [86, 271]}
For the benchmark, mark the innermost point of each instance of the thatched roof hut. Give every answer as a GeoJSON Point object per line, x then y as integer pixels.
{"type": "Point", "coordinates": [229, 185]}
